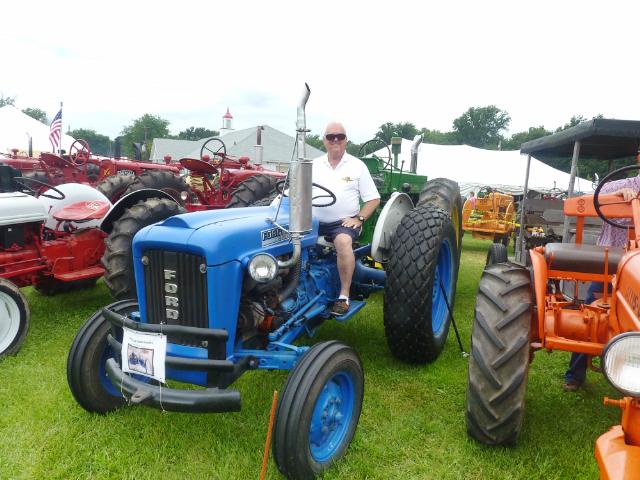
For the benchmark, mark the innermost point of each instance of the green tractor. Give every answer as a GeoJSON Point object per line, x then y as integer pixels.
{"type": "Point", "coordinates": [390, 177]}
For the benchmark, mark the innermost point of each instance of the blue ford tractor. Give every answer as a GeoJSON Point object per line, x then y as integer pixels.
{"type": "Point", "coordinates": [230, 291]}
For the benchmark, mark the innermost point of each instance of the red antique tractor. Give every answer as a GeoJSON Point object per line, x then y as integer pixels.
{"type": "Point", "coordinates": [520, 310]}
{"type": "Point", "coordinates": [50, 242]}
{"type": "Point", "coordinates": [112, 176]}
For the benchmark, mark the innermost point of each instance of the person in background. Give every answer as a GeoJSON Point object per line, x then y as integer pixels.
{"type": "Point", "coordinates": [472, 199]}
{"type": "Point", "coordinates": [610, 236]}
{"type": "Point", "coordinates": [341, 223]}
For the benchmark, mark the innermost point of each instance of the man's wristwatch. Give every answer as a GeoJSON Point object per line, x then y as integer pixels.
{"type": "Point", "coordinates": [360, 217]}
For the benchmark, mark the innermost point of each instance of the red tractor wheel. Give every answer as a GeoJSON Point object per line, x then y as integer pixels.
{"type": "Point", "coordinates": [251, 190]}
{"type": "Point", "coordinates": [160, 180]}
{"type": "Point", "coordinates": [79, 152]}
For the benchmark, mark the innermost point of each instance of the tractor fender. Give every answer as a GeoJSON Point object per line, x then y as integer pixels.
{"type": "Point", "coordinates": [128, 201]}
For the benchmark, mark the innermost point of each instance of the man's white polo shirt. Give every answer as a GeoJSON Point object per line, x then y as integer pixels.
{"type": "Point", "coordinates": [350, 181]}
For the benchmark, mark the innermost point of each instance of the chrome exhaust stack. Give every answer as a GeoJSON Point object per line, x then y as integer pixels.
{"type": "Point", "coordinates": [415, 146]}
{"type": "Point", "coordinates": [300, 186]}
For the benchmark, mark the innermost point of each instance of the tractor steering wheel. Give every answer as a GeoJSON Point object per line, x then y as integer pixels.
{"type": "Point", "coordinates": [330, 194]}
{"type": "Point", "coordinates": [36, 193]}
{"type": "Point", "coordinates": [596, 196]}
{"type": "Point", "coordinates": [79, 152]}
{"type": "Point", "coordinates": [376, 141]}
{"type": "Point", "coordinates": [216, 157]}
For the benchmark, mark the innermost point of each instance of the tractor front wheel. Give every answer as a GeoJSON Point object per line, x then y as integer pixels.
{"type": "Point", "coordinates": [497, 254]}
{"type": "Point", "coordinates": [251, 190]}
{"type": "Point", "coordinates": [499, 362]}
{"type": "Point", "coordinates": [14, 318]}
{"type": "Point", "coordinates": [118, 255]}
{"type": "Point", "coordinates": [86, 373]}
{"type": "Point", "coordinates": [421, 279]}
{"type": "Point", "coordinates": [318, 411]}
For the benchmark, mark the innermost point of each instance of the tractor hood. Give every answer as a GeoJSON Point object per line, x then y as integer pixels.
{"type": "Point", "coordinates": [222, 236]}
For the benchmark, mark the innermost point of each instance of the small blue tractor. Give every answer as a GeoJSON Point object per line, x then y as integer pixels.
{"type": "Point", "coordinates": [233, 290]}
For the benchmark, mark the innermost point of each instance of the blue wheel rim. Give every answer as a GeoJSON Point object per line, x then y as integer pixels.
{"type": "Point", "coordinates": [332, 415]}
{"type": "Point", "coordinates": [444, 274]}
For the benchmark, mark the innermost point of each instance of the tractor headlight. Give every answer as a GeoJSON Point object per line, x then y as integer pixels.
{"type": "Point", "coordinates": [263, 268]}
{"type": "Point", "coordinates": [621, 363]}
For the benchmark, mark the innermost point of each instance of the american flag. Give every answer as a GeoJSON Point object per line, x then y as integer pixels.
{"type": "Point", "coordinates": [55, 130]}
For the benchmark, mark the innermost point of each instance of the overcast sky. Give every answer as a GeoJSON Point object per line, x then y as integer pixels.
{"type": "Point", "coordinates": [367, 63]}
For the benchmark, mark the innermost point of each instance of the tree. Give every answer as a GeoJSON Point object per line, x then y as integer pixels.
{"type": "Point", "coordinates": [437, 137]}
{"type": "Point", "coordinates": [193, 133]}
{"type": "Point", "coordinates": [519, 138]}
{"type": "Point", "coordinates": [143, 130]}
{"type": "Point", "coordinates": [481, 126]}
{"type": "Point", "coordinates": [38, 114]}
{"type": "Point", "coordinates": [316, 141]}
{"type": "Point", "coordinates": [404, 129]}
{"type": "Point", "coordinates": [99, 144]}
{"type": "Point", "coordinates": [6, 100]}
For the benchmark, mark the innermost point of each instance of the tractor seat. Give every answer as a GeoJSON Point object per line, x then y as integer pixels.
{"type": "Point", "coordinates": [581, 258]}
{"type": "Point", "coordinates": [82, 211]}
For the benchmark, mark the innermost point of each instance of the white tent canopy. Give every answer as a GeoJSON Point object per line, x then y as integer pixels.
{"type": "Point", "coordinates": [16, 127]}
{"type": "Point", "coordinates": [474, 167]}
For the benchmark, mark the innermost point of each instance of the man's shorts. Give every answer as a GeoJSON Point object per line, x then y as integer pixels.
{"type": "Point", "coordinates": [330, 230]}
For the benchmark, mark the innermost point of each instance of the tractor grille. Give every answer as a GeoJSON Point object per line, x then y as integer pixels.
{"type": "Point", "coordinates": [176, 290]}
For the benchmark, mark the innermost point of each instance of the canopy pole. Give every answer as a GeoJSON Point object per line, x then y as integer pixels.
{"type": "Point", "coordinates": [520, 245]}
{"type": "Point", "coordinates": [572, 179]}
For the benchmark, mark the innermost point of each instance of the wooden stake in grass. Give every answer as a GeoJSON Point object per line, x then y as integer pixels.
{"type": "Point", "coordinates": [267, 444]}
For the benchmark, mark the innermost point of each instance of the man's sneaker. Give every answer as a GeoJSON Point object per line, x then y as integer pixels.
{"type": "Point", "coordinates": [339, 307]}
{"type": "Point", "coordinates": [571, 386]}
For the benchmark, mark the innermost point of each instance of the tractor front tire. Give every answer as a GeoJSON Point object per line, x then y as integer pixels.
{"type": "Point", "coordinates": [251, 190]}
{"type": "Point", "coordinates": [500, 353]}
{"type": "Point", "coordinates": [497, 254]}
{"type": "Point", "coordinates": [445, 194]}
{"type": "Point", "coordinates": [163, 180]}
{"type": "Point", "coordinates": [422, 256]}
{"type": "Point", "coordinates": [50, 286]}
{"type": "Point", "coordinates": [113, 187]}
{"type": "Point", "coordinates": [118, 256]}
{"type": "Point", "coordinates": [15, 318]}
{"type": "Point", "coordinates": [89, 352]}
{"type": "Point", "coordinates": [318, 411]}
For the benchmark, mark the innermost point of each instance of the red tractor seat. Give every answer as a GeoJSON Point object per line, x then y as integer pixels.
{"type": "Point", "coordinates": [581, 258]}
{"type": "Point", "coordinates": [82, 211]}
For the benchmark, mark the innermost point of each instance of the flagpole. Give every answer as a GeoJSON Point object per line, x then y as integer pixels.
{"type": "Point", "coordinates": [61, 132]}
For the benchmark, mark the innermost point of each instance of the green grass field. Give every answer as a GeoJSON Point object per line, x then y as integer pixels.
{"type": "Point", "coordinates": [412, 423]}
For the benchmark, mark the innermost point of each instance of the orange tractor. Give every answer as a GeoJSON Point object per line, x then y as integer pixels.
{"type": "Point", "coordinates": [520, 310]}
{"type": "Point", "coordinates": [491, 216]}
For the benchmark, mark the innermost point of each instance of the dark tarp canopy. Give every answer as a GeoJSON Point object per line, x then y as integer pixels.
{"type": "Point", "coordinates": [599, 138]}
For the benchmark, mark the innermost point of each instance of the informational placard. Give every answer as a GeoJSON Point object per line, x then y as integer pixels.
{"type": "Point", "coordinates": [144, 354]}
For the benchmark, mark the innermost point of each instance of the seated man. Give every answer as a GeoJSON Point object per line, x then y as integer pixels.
{"type": "Point", "coordinates": [349, 179]}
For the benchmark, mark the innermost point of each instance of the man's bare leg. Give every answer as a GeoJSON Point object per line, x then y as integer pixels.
{"type": "Point", "coordinates": [346, 262]}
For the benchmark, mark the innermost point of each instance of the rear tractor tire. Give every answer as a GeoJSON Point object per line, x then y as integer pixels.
{"type": "Point", "coordinates": [113, 187]}
{"type": "Point", "coordinates": [318, 411]}
{"type": "Point", "coordinates": [500, 353]}
{"type": "Point", "coordinates": [423, 256]}
{"type": "Point", "coordinates": [445, 194]}
{"type": "Point", "coordinates": [251, 190]}
{"type": "Point", "coordinates": [15, 318]}
{"type": "Point", "coordinates": [163, 180]}
{"type": "Point", "coordinates": [118, 256]}
{"type": "Point", "coordinates": [89, 352]}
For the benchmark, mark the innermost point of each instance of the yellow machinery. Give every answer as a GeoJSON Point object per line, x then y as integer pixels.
{"type": "Point", "coordinates": [493, 218]}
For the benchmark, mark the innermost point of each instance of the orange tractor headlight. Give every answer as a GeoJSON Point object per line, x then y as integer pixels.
{"type": "Point", "coordinates": [621, 363]}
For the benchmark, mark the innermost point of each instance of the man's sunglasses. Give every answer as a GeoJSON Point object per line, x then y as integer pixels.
{"type": "Point", "coordinates": [333, 137]}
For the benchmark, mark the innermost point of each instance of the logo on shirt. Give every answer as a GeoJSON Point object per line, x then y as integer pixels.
{"type": "Point", "coordinates": [347, 179]}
